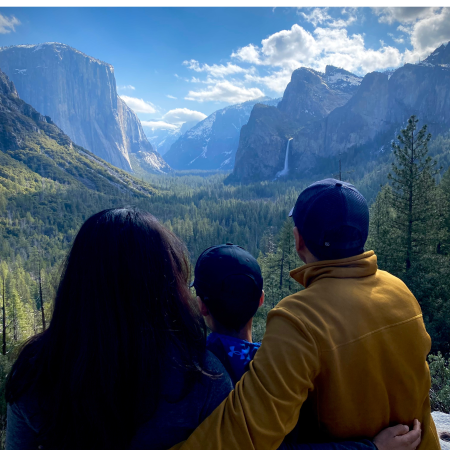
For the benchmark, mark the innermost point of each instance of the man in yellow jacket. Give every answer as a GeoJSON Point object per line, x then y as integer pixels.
{"type": "Point", "coordinates": [347, 354]}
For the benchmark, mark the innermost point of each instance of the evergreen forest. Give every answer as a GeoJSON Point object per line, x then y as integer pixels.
{"type": "Point", "coordinates": [409, 231]}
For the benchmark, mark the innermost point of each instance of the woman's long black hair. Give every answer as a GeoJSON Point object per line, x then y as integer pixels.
{"type": "Point", "coordinates": [122, 308]}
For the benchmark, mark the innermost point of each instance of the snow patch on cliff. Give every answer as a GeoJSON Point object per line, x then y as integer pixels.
{"type": "Point", "coordinates": [352, 80]}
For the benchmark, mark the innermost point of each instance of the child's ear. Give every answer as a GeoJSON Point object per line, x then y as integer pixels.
{"type": "Point", "coordinates": [261, 300]}
{"type": "Point", "coordinates": [202, 307]}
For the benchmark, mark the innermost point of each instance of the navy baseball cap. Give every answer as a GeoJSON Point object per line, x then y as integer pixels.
{"type": "Point", "coordinates": [333, 218]}
{"type": "Point", "coordinates": [228, 280]}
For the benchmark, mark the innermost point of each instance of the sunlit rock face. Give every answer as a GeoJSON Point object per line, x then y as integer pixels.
{"type": "Point", "coordinates": [79, 93]}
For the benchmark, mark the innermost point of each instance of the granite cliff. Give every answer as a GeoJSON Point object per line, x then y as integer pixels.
{"type": "Point", "coordinates": [309, 97]}
{"type": "Point", "coordinates": [360, 129]}
{"type": "Point", "coordinates": [79, 93]}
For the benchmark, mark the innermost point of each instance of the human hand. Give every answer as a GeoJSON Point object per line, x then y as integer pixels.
{"type": "Point", "coordinates": [399, 437]}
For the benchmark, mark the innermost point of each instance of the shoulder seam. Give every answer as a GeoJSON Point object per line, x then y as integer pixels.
{"type": "Point", "coordinates": [374, 332]}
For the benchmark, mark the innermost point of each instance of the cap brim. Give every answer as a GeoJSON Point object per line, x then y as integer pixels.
{"type": "Point", "coordinates": [292, 212]}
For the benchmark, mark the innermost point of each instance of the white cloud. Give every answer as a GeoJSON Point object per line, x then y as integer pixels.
{"type": "Point", "coordinates": [171, 96]}
{"type": "Point", "coordinates": [297, 47]}
{"type": "Point", "coordinates": [249, 53]}
{"type": "Point", "coordinates": [317, 16]}
{"type": "Point", "coordinates": [276, 81]}
{"type": "Point", "coordinates": [427, 28]}
{"type": "Point", "coordinates": [7, 24]}
{"type": "Point", "coordinates": [320, 16]}
{"type": "Point", "coordinates": [428, 34]}
{"type": "Point", "coordinates": [402, 14]}
{"type": "Point", "coordinates": [224, 91]}
{"type": "Point", "coordinates": [126, 87]}
{"type": "Point", "coordinates": [399, 40]}
{"type": "Point", "coordinates": [181, 115]}
{"type": "Point", "coordinates": [159, 125]}
{"type": "Point", "coordinates": [138, 105]}
{"type": "Point", "coordinates": [216, 70]}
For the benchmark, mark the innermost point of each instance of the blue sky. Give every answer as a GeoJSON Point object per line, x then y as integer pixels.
{"type": "Point", "coordinates": [177, 64]}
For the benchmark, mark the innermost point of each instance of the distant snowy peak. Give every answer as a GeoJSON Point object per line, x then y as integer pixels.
{"type": "Point", "coordinates": [440, 57]}
{"type": "Point", "coordinates": [203, 128]}
{"type": "Point", "coordinates": [340, 79]}
{"type": "Point", "coordinates": [241, 110]}
{"type": "Point", "coordinates": [162, 139]}
{"type": "Point", "coordinates": [212, 143]}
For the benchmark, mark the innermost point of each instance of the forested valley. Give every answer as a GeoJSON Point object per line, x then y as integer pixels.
{"type": "Point", "coordinates": [409, 232]}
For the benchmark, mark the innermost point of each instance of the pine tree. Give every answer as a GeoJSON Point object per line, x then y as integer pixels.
{"type": "Point", "coordinates": [15, 310]}
{"type": "Point", "coordinates": [3, 274]}
{"type": "Point", "coordinates": [413, 189]}
{"type": "Point", "coordinates": [384, 238]}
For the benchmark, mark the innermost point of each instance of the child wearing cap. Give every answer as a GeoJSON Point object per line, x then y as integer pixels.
{"type": "Point", "coordinates": [229, 288]}
{"type": "Point", "coordinates": [229, 284]}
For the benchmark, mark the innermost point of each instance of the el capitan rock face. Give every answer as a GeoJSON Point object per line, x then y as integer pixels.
{"type": "Point", "coordinates": [79, 93]}
{"type": "Point", "coordinates": [367, 121]}
{"type": "Point", "coordinates": [34, 146]}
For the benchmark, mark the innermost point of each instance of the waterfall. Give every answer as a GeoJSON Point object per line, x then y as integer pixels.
{"type": "Point", "coordinates": [285, 170]}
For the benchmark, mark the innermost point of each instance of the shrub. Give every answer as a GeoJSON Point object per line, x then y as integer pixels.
{"type": "Point", "coordinates": [440, 383]}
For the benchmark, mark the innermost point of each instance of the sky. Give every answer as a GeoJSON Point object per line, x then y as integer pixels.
{"type": "Point", "coordinates": [174, 65]}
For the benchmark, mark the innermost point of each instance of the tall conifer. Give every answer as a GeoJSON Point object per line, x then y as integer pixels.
{"type": "Point", "coordinates": [413, 187]}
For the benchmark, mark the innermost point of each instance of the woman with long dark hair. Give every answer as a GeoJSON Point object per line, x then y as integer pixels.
{"type": "Point", "coordinates": [123, 362]}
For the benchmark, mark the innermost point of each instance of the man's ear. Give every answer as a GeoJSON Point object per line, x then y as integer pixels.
{"type": "Point", "coordinates": [299, 242]}
{"type": "Point", "coordinates": [204, 311]}
{"type": "Point", "coordinates": [261, 300]}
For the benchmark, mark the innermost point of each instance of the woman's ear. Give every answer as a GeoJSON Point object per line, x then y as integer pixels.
{"type": "Point", "coordinates": [261, 300]}
{"type": "Point", "coordinates": [204, 311]}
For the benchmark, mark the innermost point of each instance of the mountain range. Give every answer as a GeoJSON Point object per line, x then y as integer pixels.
{"type": "Point", "coordinates": [336, 115]}
{"type": "Point", "coordinates": [79, 93]}
{"type": "Point", "coordinates": [212, 143]}
{"type": "Point", "coordinates": [162, 139]}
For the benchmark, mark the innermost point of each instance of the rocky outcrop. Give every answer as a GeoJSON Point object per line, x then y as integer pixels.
{"type": "Point", "coordinates": [365, 124]}
{"type": "Point", "coordinates": [262, 144]}
{"type": "Point", "coordinates": [213, 142]}
{"type": "Point", "coordinates": [312, 95]}
{"type": "Point", "coordinates": [79, 93]}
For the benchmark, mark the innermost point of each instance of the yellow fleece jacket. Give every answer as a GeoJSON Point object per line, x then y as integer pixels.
{"type": "Point", "coordinates": [353, 343]}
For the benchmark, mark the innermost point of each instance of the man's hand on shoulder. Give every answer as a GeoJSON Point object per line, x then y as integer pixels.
{"type": "Point", "coordinates": [399, 437]}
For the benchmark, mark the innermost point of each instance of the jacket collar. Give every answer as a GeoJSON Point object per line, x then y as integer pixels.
{"type": "Point", "coordinates": [358, 266]}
